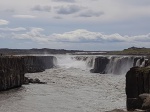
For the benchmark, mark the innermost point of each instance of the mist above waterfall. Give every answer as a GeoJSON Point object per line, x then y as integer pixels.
{"type": "Point", "coordinates": [68, 61]}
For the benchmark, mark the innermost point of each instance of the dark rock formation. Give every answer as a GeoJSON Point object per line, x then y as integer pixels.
{"type": "Point", "coordinates": [35, 81]}
{"type": "Point", "coordinates": [137, 82]}
{"type": "Point", "coordinates": [11, 72]}
{"type": "Point", "coordinates": [38, 63]}
{"type": "Point", "coordinates": [119, 110]}
{"type": "Point", "coordinates": [100, 65]}
{"type": "Point", "coordinates": [145, 101]}
{"type": "Point", "coordinates": [13, 68]}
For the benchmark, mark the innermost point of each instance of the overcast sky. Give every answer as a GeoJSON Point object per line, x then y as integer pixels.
{"type": "Point", "coordinates": [75, 24]}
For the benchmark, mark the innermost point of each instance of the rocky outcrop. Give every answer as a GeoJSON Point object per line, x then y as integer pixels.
{"type": "Point", "coordinates": [145, 101]}
{"type": "Point", "coordinates": [34, 81]}
{"type": "Point", "coordinates": [38, 63]}
{"type": "Point", "coordinates": [137, 83]}
{"type": "Point", "coordinates": [11, 72]}
{"type": "Point", "coordinates": [100, 65]}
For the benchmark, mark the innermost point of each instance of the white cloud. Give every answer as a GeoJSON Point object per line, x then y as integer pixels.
{"type": "Point", "coordinates": [4, 22]}
{"type": "Point", "coordinates": [24, 16]}
{"type": "Point", "coordinates": [79, 36]}
{"type": "Point", "coordinates": [82, 35]}
{"type": "Point", "coordinates": [13, 29]}
{"type": "Point", "coordinates": [34, 35]}
{"type": "Point", "coordinates": [78, 39]}
{"type": "Point", "coordinates": [69, 9]}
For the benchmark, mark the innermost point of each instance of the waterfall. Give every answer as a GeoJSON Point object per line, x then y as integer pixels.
{"type": "Point", "coordinates": [73, 61]}
{"type": "Point", "coordinates": [119, 65]}
{"type": "Point", "coordinates": [138, 62]}
{"type": "Point", "coordinates": [101, 64]}
{"type": "Point", "coordinates": [116, 64]}
{"type": "Point", "coordinates": [143, 64]}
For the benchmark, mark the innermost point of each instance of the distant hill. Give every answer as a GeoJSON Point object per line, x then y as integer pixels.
{"type": "Point", "coordinates": [132, 51]}
{"type": "Point", "coordinates": [128, 51]}
{"type": "Point", "coordinates": [6, 51]}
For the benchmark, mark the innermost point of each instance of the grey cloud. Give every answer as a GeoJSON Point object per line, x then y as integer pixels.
{"type": "Point", "coordinates": [10, 10]}
{"type": "Point", "coordinates": [42, 8]}
{"type": "Point", "coordinates": [24, 16]}
{"type": "Point", "coordinates": [64, 1]}
{"type": "Point", "coordinates": [58, 17]}
{"type": "Point", "coordinates": [137, 2]}
{"type": "Point", "coordinates": [70, 9]}
{"type": "Point", "coordinates": [91, 14]}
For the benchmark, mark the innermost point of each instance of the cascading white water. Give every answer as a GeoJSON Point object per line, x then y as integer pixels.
{"type": "Point", "coordinates": [89, 60]}
{"type": "Point", "coordinates": [116, 64]}
{"type": "Point", "coordinates": [119, 65]}
{"type": "Point", "coordinates": [68, 61]}
{"type": "Point", "coordinates": [138, 62]}
{"type": "Point", "coordinates": [143, 64]}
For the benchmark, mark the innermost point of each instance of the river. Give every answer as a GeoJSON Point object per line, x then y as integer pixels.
{"type": "Point", "coordinates": [70, 88]}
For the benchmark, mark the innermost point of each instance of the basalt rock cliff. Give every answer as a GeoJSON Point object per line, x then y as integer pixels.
{"type": "Point", "coordinates": [13, 68]}
{"type": "Point", "coordinates": [137, 84]}
{"type": "Point", "coordinates": [11, 72]}
{"type": "Point", "coordinates": [38, 63]}
{"type": "Point", "coordinates": [100, 65]}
